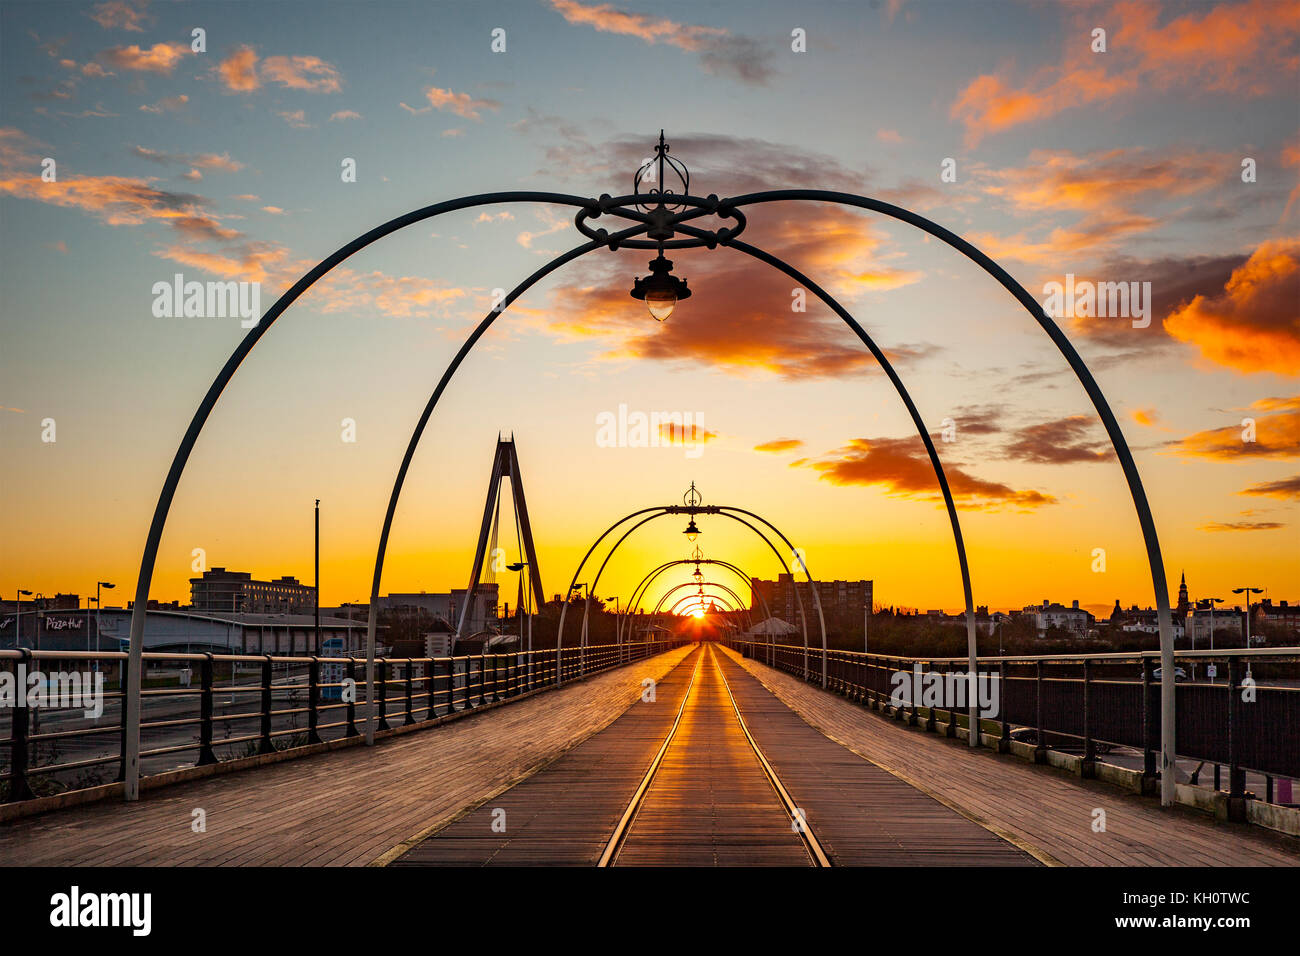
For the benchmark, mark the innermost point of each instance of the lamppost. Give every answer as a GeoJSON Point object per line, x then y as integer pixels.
{"type": "Point", "coordinates": [581, 587]}
{"type": "Point", "coordinates": [1248, 591]}
{"type": "Point", "coordinates": [98, 606]}
{"type": "Point", "coordinates": [692, 499]}
{"type": "Point", "coordinates": [528, 666]}
{"type": "Point", "coordinates": [1211, 602]}
{"type": "Point", "coordinates": [18, 618]}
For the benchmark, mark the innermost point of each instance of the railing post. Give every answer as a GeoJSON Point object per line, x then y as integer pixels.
{"type": "Point", "coordinates": [121, 752]}
{"type": "Point", "coordinates": [410, 691]}
{"type": "Point", "coordinates": [1040, 749]}
{"type": "Point", "coordinates": [266, 745]}
{"type": "Point", "coordinates": [950, 729]}
{"type": "Point", "coordinates": [1148, 731]}
{"type": "Point", "coordinates": [430, 675]}
{"type": "Point", "coordinates": [313, 700]}
{"type": "Point", "coordinates": [1236, 776]}
{"type": "Point", "coordinates": [1088, 768]}
{"type": "Point", "coordinates": [1004, 739]}
{"type": "Point", "coordinates": [206, 753]}
{"type": "Point", "coordinates": [352, 698]}
{"type": "Point", "coordinates": [19, 788]}
{"type": "Point", "coordinates": [914, 718]}
{"type": "Point", "coordinates": [451, 685]}
{"type": "Point", "coordinates": [382, 681]}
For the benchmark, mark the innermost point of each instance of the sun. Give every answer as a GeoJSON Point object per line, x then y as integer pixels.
{"type": "Point", "coordinates": [698, 613]}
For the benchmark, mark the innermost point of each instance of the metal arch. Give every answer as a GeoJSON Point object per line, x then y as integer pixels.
{"type": "Point", "coordinates": [883, 361]}
{"type": "Point", "coordinates": [803, 618]}
{"type": "Point", "coordinates": [654, 574]}
{"type": "Point", "coordinates": [131, 748]}
{"type": "Point", "coordinates": [720, 600]}
{"type": "Point", "coordinates": [738, 607]}
{"type": "Point", "coordinates": [1120, 445]}
{"type": "Point", "coordinates": [678, 588]}
{"type": "Point", "coordinates": [812, 586]}
{"type": "Point", "coordinates": [586, 606]}
{"type": "Point", "coordinates": [573, 582]}
{"type": "Point", "coordinates": [674, 510]}
{"type": "Point", "coordinates": [662, 510]}
{"type": "Point", "coordinates": [592, 207]}
{"type": "Point", "coordinates": [712, 204]}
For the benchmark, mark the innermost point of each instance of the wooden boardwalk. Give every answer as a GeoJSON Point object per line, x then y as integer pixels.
{"type": "Point", "coordinates": [1046, 811]}
{"type": "Point", "coordinates": [563, 767]}
{"type": "Point", "coordinates": [345, 808]}
{"type": "Point", "coordinates": [711, 801]}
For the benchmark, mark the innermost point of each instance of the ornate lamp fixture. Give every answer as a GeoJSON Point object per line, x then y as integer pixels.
{"type": "Point", "coordinates": [661, 290]}
{"type": "Point", "coordinates": [692, 499]}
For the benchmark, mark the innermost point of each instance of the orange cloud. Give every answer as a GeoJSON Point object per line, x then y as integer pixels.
{"type": "Point", "coordinates": [1245, 48]}
{"type": "Point", "coordinates": [1276, 435]}
{"type": "Point", "coordinates": [720, 51]}
{"type": "Point", "coordinates": [902, 468]}
{"type": "Point", "coordinates": [239, 71]}
{"type": "Point", "coordinates": [1145, 416]}
{"type": "Point", "coordinates": [118, 200]}
{"type": "Point", "coordinates": [1104, 188]}
{"type": "Point", "coordinates": [159, 58]}
{"type": "Point", "coordinates": [779, 445]}
{"type": "Point", "coordinates": [674, 434]}
{"type": "Point", "coordinates": [1242, 526]}
{"type": "Point", "coordinates": [1064, 441]}
{"type": "Point", "coordinates": [1254, 325]}
{"type": "Point", "coordinates": [309, 73]}
{"type": "Point", "coordinates": [120, 15]}
{"type": "Point", "coordinates": [462, 104]}
{"type": "Point", "coordinates": [345, 290]}
{"type": "Point", "coordinates": [251, 262]}
{"type": "Point", "coordinates": [1287, 488]}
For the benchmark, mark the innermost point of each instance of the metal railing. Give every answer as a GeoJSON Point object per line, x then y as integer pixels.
{"type": "Point", "coordinates": [1244, 712]}
{"type": "Point", "coordinates": [201, 709]}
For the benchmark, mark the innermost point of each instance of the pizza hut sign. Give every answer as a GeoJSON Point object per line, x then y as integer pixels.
{"type": "Point", "coordinates": [63, 623]}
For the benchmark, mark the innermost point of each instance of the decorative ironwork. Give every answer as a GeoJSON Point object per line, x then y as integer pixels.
{"type": "Point", "coordinates": [654, 171]}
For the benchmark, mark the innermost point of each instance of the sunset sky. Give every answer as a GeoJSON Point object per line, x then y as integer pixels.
{"type": "Point", "coordinates": [1120, 166]}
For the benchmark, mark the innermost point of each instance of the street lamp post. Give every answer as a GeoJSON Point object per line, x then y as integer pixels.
{"type": "Point", "coordinates": [519, 613]}
{"type": "Point", "coordinates": [1212, 602]}
{"type": "Point", "coordinates": [1248, 591]}
{"type": "Point", "coordinates": [581, 587]}
{"type": "Point", "coordinates": [98, 606]}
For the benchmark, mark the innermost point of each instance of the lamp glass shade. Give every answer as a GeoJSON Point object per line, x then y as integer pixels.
{"type": "Point", "coordinates": [661, 303]}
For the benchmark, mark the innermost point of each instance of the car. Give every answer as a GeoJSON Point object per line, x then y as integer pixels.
{"type": "Point", "coordinates": [1179, 673]}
